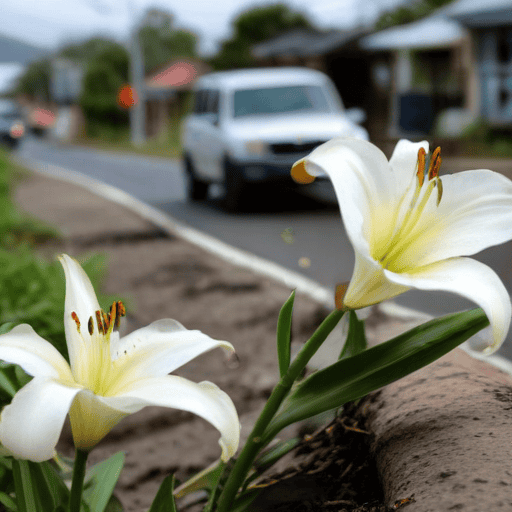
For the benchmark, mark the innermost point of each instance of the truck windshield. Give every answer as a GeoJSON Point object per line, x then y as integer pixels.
{"type": "Point", "coordinates": [278, 100]}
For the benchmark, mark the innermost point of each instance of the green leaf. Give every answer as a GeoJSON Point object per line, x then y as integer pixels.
{"type": "Point", "coordinates": [8, 380]}
{"type": "Point", "coordinates": [243, 501]}
{"type": "Point", "coordinates": [267, 459]}
{"type": "Point", "coordinates": [205, 479]}
{"type": "Point", "coordinates": [164, 499]}
{"type": "Point", "coordinates": [101, 480]}
{"type": "Point", "coordinates": [284, 327]}
{"type": "Point", "coordinates": [114, 505]}
{"type": "Point", "coordinates": [51, 490]}
{"type": "Point", "coordinates": [55, 482]}
{"type": "Point", "coordinates": [8, 502]}
{"type": "Point", "coordinates": [354, 377]}
{"type": "Point", "coordinates": [5, 328]}
{"type": "Point", "coordinates": [26, 494]}
{"type": "Point", "coordinates": [356, 337]}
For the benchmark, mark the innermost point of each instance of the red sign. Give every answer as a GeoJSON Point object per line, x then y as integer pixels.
{"type": "Point", "coordinates": [127, 96]}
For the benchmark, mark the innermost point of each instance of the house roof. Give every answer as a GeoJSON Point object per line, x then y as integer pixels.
{"type": "Point", "coordinates": [481, 13]}
{"type": "Point", "coordinates": [179, 74]}
{"type": "Point", "coordinates": [435, 31]}
{"type": "Point", "coordinates": [444, 28]}
{"type": "Point", "coordinates": [304, 43]}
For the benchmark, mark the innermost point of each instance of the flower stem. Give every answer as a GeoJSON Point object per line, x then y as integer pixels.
{"type": "Point", "coordinates": [257, 440]}
{"type": "Point", "coordinates": [75, 498]}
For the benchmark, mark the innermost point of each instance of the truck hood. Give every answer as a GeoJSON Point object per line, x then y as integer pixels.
{"type": "Point", "coordinates": [292, 127]}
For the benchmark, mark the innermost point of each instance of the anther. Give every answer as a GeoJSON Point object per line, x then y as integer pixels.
{"type": "Point", "coordinates": [90, 325]}
{"type": "Point", "coordinates": [112, 320]}
{"type": "Point", "coordinates": [435, 164]}
{"type": "Point", "coordinates": [106, 321]}
{"type": "Point", "coordinates": [439, 190]}
{"type": "Point", "coordinates": [420, 173]}
{"type": "Point", "coordinates": [74, 316]}
{"type": "Point", "coordinates": [99, 321]}
{"type": "Point", "coordinates": [300, 175]}
{"type": "Point", "coordinates": [339, 296]}
{"type": "Point", "coordinates": [120, 311]}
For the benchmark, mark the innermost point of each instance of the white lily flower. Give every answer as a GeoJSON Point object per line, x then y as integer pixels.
{"type": "Point", "coordinates": [107, 378]}
{"type": "Point", "coordinates": [410, 229]}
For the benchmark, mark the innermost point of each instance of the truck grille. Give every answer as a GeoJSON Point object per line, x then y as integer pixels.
{"type": "Point", "coordinates": [292, 147]}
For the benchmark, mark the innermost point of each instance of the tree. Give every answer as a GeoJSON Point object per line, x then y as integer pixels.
{"type": "Point", "coordinates": [35, 81]}
{"type": "Point", "coordinates": [255, 26]}
{"type": "Point", "coordinates": [408, 14]}
{"type": "Point", "coordinates": [162, 42]}
{"type": "Point", "coordinates": [106, 71]}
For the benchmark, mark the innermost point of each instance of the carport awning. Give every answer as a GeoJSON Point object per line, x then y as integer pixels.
{"type": "Point", "coordinates": [432, 32]}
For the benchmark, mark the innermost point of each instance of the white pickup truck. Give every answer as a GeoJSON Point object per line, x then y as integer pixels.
{"type": "Point", "coordinates": [249, 126]}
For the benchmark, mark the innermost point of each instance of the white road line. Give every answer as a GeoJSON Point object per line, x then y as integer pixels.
{"type": "Point", "coordinates": [293, 280]}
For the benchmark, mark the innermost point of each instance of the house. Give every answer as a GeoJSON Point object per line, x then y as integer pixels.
{"type": "Point", "coordinates": [449, 69]}
{"type": "Point", "coordinates": [489, 23]}
{"type": "Point", "coordinates": [429, 71]}
{"type": "Point", "coordinates": [165, 91]}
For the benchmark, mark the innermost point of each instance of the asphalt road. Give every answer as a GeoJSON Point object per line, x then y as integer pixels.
{"type": "Point", "coordinates": [301, 232]}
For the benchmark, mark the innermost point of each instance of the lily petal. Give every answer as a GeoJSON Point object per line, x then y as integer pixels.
{"type": "Point", "coordinates": [31, 425]}
{"type": "Point", "coordinates": [92, 419]}
{"type": "Point", "coordinates": [474, 214]}
{"type": "Point", "coordinates": [160, 348]}
{"type": "Point", "coordinates": [204, 399]}
{"type": "Point", "coordinates": [80, 299]}
{"type": "Point", "coordinates": [403, 161]}
{"type": "Point", "coordinates": [369, 285]}
{"type": "Point", "coordinates": [39, 358]}
{"type": "Point", "coordinates": [362, 179]}
{"type": "Point", "coordinates": [470, 279]}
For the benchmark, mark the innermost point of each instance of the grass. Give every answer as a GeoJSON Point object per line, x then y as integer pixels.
{"type": "Point", "coordinates": [167, 144]}
{"type": "Point", "coordinates": [33, 288]}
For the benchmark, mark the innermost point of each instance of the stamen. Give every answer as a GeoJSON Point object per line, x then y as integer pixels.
{"type": "Point", "coordinates": [121, 311]}
{"type": "Point", "coordinates": [74, 316]}
{"type": "Point", "coordinates": [439, 190]}
{"type": "Point", "coordinates": [112, 316]}
{"type": "Point", "coordinates": [99, 321]}
{"type": "Point", "coordinates": [339, 296]}
{"type": "Point", "coordinates": [90, 325]}
{"type": "Point", "coordinates": [420, 173]}
{"type": "Point", "coordinates": [106, 321]}
{"type": "Point", "coordinates": [435, 164]}
{"type": "Point", "coordinates": [300, 175]}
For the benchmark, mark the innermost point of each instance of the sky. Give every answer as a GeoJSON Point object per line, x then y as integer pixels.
{"type": "Point", "coordinates": [52, 23]}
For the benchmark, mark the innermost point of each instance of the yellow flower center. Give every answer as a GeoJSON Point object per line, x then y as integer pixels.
{"type": "Point", "coordinates": [396, 252]}
{"type": "Point", "coordinates": [95, 367]}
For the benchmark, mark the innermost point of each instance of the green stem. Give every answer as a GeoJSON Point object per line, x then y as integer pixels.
{"type": "Point", "coordinates": [75, 498]}
{"type": "Point", "coordinates": [256, 440]}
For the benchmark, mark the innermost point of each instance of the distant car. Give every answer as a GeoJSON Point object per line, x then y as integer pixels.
{"type": "Point", "coordinates": [250, 126]}
{"type": "Point", "coordinates": [12, 127]}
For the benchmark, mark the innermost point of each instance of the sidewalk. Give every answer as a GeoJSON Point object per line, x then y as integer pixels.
{"type": "Point", "coordinates": [165, 276]}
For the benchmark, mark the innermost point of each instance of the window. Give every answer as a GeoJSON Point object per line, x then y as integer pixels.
{"type": "Point", "coordinates": [277, 100]}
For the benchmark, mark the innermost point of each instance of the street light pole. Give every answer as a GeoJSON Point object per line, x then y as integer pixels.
{"type": "Point", "coordinates": [138, 110]}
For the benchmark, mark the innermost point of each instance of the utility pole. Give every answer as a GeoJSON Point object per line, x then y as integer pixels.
{"type": "Point", "coordinates": [138, 110]}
